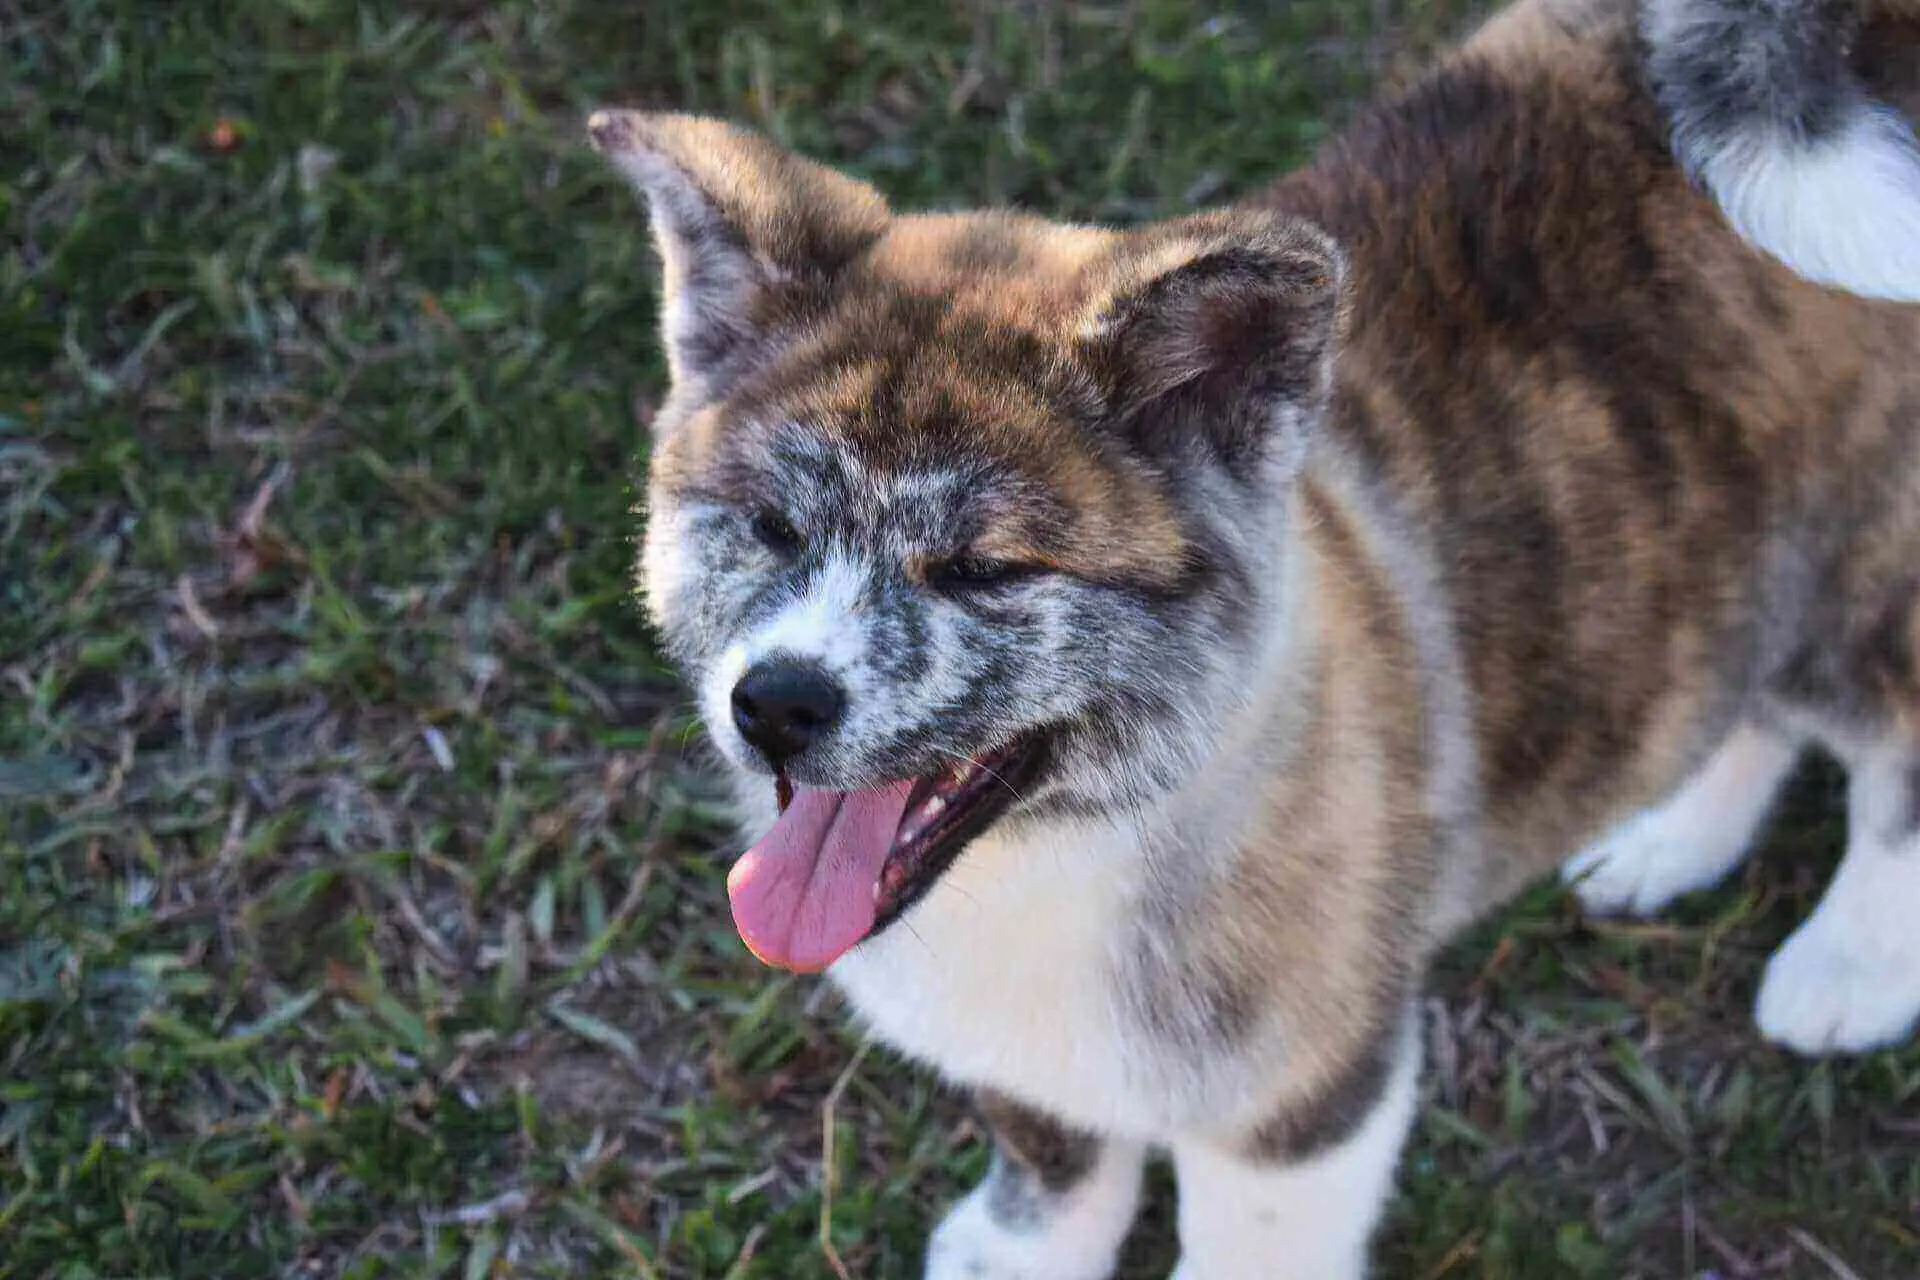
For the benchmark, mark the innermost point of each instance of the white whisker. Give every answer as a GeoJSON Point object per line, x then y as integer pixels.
{"type": "Point", "coordinates": [964, 758]}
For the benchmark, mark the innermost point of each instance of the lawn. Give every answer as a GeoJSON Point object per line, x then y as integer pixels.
{"type": "Point", "coordinates": [361, 904]}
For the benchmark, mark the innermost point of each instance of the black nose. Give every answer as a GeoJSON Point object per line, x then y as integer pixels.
{"type": "Point", "coordinates": [783, 707]}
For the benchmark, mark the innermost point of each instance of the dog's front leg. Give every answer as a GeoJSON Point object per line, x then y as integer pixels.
{"type": "Point", "coordinates": [1300, 1198]}
{"type": "Point", "coordinates": [1055, 1205]}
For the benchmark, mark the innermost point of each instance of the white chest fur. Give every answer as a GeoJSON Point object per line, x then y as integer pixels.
{"type": "Point", "coordinates": [1005, 975]}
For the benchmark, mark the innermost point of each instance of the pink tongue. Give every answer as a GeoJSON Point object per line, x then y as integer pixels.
{"type": "Point", "coordinates": [803, 896]}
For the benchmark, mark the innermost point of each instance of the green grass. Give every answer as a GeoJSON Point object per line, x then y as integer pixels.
{"type": "Point", "coordinates": [360, 911]}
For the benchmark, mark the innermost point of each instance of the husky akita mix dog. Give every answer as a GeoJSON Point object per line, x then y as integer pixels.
{"type": "Point", "coordinates": [1183, 630]}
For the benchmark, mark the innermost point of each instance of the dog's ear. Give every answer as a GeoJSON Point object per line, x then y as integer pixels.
{"type": "Point", "coordinates": [1222, 323]}
{"type": "Point", "coordinates": [743, 227]}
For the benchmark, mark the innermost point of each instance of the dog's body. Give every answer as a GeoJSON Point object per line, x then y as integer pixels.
{"type": "Point", "coordinates": [1317, 572]}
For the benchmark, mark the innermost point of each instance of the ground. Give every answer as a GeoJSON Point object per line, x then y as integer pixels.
{"type": "Point", "coordinates": [360, 899]}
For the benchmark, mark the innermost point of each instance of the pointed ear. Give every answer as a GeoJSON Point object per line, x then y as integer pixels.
{"type": "Point", "coordinates": [1221, 323]}
{"type": "Point", "coordinates": [738, 222]}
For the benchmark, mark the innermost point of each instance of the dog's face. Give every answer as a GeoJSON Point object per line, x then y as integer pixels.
{"type": "Point", "coordinates": [959, 520]}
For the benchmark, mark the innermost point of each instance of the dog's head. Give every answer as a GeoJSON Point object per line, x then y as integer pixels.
{"type": "Point", "coordinates": [956, 520]}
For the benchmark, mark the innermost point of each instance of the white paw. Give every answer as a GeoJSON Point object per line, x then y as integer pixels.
{"type": "Point", "coordinates": [1822, 995]}
{"type": "Point", "coordinates": [970, 1244]}
{"type": "Point", "coordinates": [1645, 863]}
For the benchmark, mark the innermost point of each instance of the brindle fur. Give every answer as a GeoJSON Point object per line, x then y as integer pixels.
{"type": "Point", "coordinates": [1322, 1121]}
{"type": "Point", "coordinates": [1571, 481]}
{"type": "Point", "coordinates": [1035, 1157]}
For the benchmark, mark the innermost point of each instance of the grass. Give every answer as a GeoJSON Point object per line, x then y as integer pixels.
{"type": "Point", "coordinates": [360, 906]}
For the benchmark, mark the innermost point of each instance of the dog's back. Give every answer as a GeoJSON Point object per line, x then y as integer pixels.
{"type": "Point", "coordinates": [1664, 472]}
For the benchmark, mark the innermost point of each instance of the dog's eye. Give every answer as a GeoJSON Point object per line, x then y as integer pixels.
{"type": "Point", "coordinates": [970, 572]}
{"type": "Point", "coordinates": [776, 533]}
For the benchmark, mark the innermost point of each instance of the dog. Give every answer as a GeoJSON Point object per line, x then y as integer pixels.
{"type": "Point", "coordinates": [1182, 631]}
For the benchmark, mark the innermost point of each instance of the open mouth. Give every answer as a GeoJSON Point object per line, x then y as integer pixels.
{"type": "Point", "coordinates": [943, 814]}
{"type": "Point", "coordinates": [840, 866]}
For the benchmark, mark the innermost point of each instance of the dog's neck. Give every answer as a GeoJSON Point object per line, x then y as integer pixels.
{"type": "Point", "coordinates": [1264, 721]}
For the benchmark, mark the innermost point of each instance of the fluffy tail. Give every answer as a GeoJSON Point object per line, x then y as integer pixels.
{"type": "Point", "coordinates": [1768, 113]}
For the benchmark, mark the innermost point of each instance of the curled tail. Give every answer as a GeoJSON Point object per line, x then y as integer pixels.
{"type": "Point", "coordinates": [1768, 113]}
